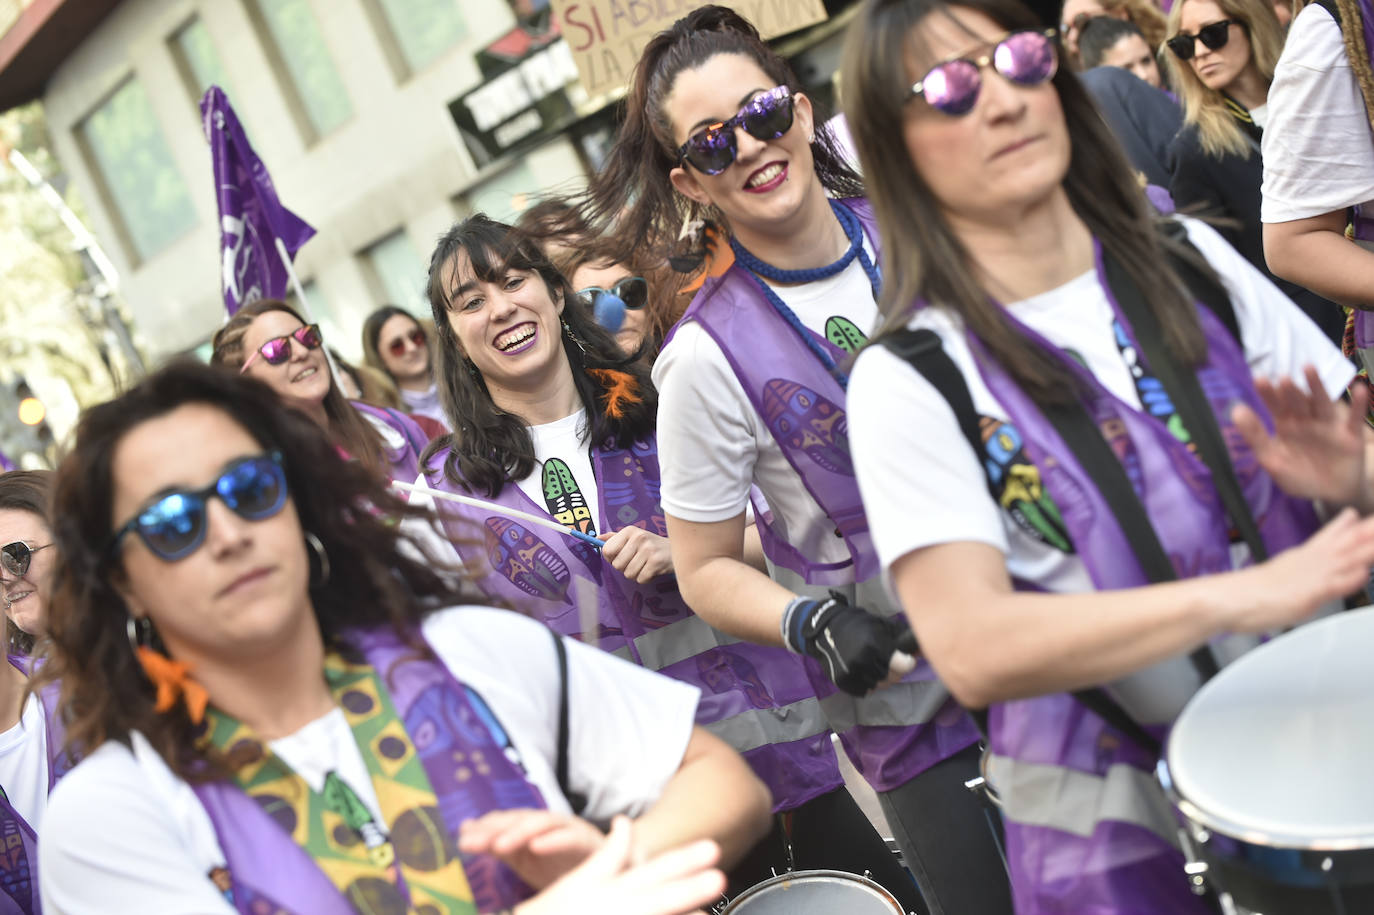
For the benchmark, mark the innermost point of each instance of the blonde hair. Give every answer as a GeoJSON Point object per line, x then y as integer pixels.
{"type": "Point", "coordinates": [1145, 16]}
{"type": "Point", "coordinates": [1206, 108]}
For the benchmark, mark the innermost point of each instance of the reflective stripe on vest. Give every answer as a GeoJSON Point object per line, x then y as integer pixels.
{"type": "Point", "coordinates": [759, 727]}
{"type": "Point", "coordinates": [686, 638]}
{"type": "Point", "coordinates": [1058, 797]}
{"type": "Point", "coordinates": [898, 705]}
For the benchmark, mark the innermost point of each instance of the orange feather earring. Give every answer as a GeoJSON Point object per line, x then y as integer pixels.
{"type": "Point", "coordinates": [620, 388]}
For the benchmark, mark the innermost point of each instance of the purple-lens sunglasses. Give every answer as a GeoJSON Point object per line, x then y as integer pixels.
{"type": "Point", "coordinates": [278, 349]}
{"type": "Point", "coordinates": [766, 116]}
{"type": "Point", "coordinates": [1026, 58]}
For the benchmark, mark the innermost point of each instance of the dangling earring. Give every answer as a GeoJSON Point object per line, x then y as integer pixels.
{"type": "Point", "coordinates": [321, 556]}
{"type": "Point", "coordinates": [582, 347]}
{"type": "Point", "coordinates": [171, 678]}
{"type": "Point", "coordinates": [472, 368]}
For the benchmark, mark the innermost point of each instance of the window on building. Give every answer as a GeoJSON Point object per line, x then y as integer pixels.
{"type": "Point", "coordinates": [506, 195]}
{"type": "Point", "coordinates": [135, 170]}
{"type": "Point", "coordinates": [197, 59]}
{"type": "Point", "coordinates": [422, 29]}
{"type": "Point", "coordinates": [298, 52]}
{"type": "Point", "coordinates": [400, 273]}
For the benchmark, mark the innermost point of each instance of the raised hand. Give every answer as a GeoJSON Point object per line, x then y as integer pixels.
{"type": "Point", "coordinates": [673, 883]}
{"type": "Point", "coordinates": [638, 554]}
{"type": "Point", "coordinates": [1317, 449]}
{"type": "Point", "coordinates": [539, 845]}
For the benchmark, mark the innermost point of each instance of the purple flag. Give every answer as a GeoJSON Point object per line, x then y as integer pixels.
{"type": "Point", "coordinates": [6, 465]}
{"type": "Point", "coordinates": [251, 217]}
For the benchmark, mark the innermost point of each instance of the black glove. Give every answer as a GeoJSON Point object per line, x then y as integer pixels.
{"type": "Point", "coordinates": [854, 646]}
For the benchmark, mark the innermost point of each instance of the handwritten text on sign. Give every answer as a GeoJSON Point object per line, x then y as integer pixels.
{"type": "Point", "coordinates": [606, 36]}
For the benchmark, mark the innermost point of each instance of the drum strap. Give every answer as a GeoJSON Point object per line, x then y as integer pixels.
{"type": "Point", "coordinates": [576, 800]}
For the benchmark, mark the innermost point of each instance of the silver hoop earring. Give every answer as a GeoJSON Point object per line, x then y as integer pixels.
{"type": "Point", "coordinates": [318, 548]}
{"type": "Point", "coordinates": [139, 633]}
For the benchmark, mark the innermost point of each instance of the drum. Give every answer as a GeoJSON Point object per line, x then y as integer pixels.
{"type": "Point", "coordinates": [815, 893]}
{"type": "Point", "coordinates": [1270, 765]}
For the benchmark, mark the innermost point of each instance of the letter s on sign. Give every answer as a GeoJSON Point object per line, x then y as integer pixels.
{"type": "Point", "coordinates": [588, 37]}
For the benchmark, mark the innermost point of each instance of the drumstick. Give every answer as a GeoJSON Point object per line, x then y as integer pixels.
{"type": "Point", "coordinates": [500, 509]}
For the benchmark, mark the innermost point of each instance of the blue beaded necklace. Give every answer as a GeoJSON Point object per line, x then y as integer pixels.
{"type": "Point", "coordinates": [854, 231]}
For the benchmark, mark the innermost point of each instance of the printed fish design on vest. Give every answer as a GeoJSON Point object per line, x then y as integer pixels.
{"type": "Point", "coordinates": [525, 560]}
{"type": "Point", "coordinates": [844, 333]}
{"type": "Point", "coordinates": [808, 422]}
{"type": "Point", "coordinates": [564, 497]}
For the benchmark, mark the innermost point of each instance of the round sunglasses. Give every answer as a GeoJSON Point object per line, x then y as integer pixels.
{"type": "Point", "coordinates": [173, 526]}
{"type": "Point", "coordinates": [1026, 58]}
{"type": "Point", "coordinates": [633, 291]}
{"type": "Point", "coordinates": [416, 337]}
{"type": "Point", "coordinates": [278, 349]}
{"type": "Point", "coordinates": [15, 557]}
{"type": "Point", "coordinates": [1213, 36]}
{"type": "Point", "coordinates": [766, 116]}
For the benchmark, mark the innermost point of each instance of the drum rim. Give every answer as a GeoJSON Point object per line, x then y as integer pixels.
{"type": "Point", "coordinates": [1250, 834]}
{"type": "Point", "coordinates": [817, 872]}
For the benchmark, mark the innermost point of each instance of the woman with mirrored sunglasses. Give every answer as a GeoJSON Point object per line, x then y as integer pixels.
{"type": "Point", "coordinates": [288, 709]}
{"type": "Point", "coordinates": [31, 730]}
{"type": "Point", "coordinates": [1221, 57]}
{"type": "Point", "coordinates": [1025, 388]}
{"type": "Point", "coordinates": [269, 341]}
{"type": "Point", "coordinates": [752, 383]}
{"type": "Point", "coordinates": [396, 344]}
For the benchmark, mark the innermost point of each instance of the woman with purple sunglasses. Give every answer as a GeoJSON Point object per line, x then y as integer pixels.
{"type": "Point", "coordinates": [752, 393]}
{"type": "Point", "coordinates": [269, 341]}
{"type": "Point", "coordinates": [1019, 460]}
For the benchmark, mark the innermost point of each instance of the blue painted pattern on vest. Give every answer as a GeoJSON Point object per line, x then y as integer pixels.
{"type": "Point", "coordinates": [525, 560]}
{"type": "Point", "coordinates": [1018, 487]}
{"type": "Point", "coordinates": [808, 422]}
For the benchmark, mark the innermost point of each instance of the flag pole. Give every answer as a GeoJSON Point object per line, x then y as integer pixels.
{"type": "Point", "coordinates": [305, 303]}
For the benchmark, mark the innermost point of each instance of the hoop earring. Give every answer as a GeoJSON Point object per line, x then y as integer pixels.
{"type": "Point", "coordinates": [139, 633]}
{"type": "Point", "coordinates": [321, 556]}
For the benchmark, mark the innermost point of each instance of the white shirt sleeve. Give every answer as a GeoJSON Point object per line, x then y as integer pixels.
{"type": "Point", "coordinates": [628, 727]}
{"type": "Point", "coordinates": [706, 430]}
{"type": "Point", "coordinates": [1318, 148]}
{"type": "Point", "coordinates": [115, 842]}
{"type": "Point", "coordinates": [1279, 340]}
{"type": "Point", "coordinates": [920, 480]}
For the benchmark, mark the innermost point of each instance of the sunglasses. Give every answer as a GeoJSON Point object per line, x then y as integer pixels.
{"type": "Point", "coordinates": [766, 116]}
{"type": "Point", "coordinates": [1213, 36]}
{"type": "Point", "coordinates": [15, 557]}
{"type": "Point", "coordinates": [416, 337]}
{"type": "Point", "coordinates": [278, 349]}
{"type": "Point", "coordinates": [1026, 58]}
{"type": "Point", "coordinates": [632, 290]}
{"type": "Point", "coordinates": [174, 526]}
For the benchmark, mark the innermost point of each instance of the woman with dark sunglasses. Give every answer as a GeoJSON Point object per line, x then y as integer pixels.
{"type": "Point", "coordinates": [1221, 59]}
{"type": "Point", "coordinates": [615, 297]}
{"type": "Point", "coordinates": [1002, 447]}
{"type": "Point", "coordinates": [31, 732]}
{"type": "Point", "coordinates": [560, 423]}
{"type": "Point", "coordinates": [752, 383]}
{"type": "Point", "coordinates": [396, 344]}
{"type": "Point", "coordinates": [285, 710]}
{"type": "Point", "coordinates": [269, 341]}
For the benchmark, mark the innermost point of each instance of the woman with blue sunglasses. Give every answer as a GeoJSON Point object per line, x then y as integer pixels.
{"type": "Point", "coordinates": [283, 709]}
{"type": "Point", "coordinates": [1066, 414]}
{"type": "Point", "coordinates": [269, 341]}
{"type": "Point", "coordinates": [752, 383]}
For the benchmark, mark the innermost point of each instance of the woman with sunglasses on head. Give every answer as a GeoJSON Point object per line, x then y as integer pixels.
{"type": "Point", "coordinates": [269, 341]}
{"type": "Point", "coordinates": [396, 344]}
{"type": "Point", "coordinates": [1017, 460]}
{"type": "Point", "coordinates": [285, 710]}
{"type": "Point", "coordinates": [752, 392]}
{"type": "Point", "coordinates": [1143, 14]}
{"type": "Point", "coordinates": [553, 419]}
{"type": "Point", "coordinates": [31, 732]}
{"type": "Point", "coordinates": [1221, 58]}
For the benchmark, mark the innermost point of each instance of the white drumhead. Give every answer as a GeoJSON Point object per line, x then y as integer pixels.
{"type": "Point", "coordinates": [1277, 748]}
{"type": "Point", "coordinates": [815, 893]}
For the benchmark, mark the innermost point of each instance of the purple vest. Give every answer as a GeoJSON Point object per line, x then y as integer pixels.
{"type": "Point", "coordinates": [900, 731]}
{"type": "Point", "coordinates": [404, 460]}
{"type": "Point", "coordinates": [18, 842]}
{"type": "Point", "coordinates": [1087, 828]}
{"type": "Point", "coordinates": [757, 698]}
{"type": "Point", "coordinates": [270, 873]}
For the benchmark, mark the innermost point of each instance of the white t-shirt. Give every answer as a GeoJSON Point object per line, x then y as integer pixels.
{"type": "Point", "coordinates": [922, 483]}
{"type": "Point", "coordinates": [561, 450]}
{"type": "Point", "coordinates": [713, 445]}
{"type": "Point", "coordinates": [1318, 148]}
{"type": "Point", "coordinates": [125, 835]}
{"type": "Point", "coordinates": [24, 763]}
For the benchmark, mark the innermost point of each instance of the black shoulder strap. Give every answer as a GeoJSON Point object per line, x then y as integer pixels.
{"type": "Point", "coordinates": [1205, 289]}
{"type": "Point", "coordinates": [576, 800]}
{"type": "Point", "coordinates": [1331, 7]}
{"type": "Point", "coordinates": [1188, 399]}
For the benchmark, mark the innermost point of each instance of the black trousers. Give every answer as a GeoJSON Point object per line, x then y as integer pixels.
{"type": "Point", "coordinates": [946, 835]}
{"type": "Point", "coordinates": [829, 832]}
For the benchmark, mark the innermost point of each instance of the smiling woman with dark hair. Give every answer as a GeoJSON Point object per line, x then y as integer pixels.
{"type": "Point", "coordinates": [285, 709]}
